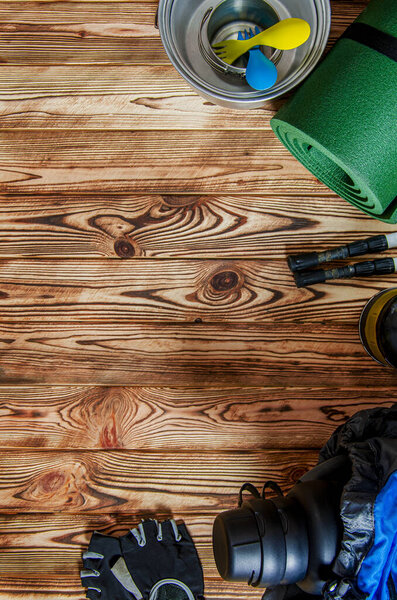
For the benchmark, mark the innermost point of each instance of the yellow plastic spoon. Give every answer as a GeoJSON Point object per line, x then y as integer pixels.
{"type": "Point", "coordinates": [284, 35]}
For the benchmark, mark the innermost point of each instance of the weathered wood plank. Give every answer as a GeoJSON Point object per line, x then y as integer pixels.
{"type": "Point", "coordinates": [24, 589]}
{"type": "Point", "coordinates": [49, 544]}
{"type": "Point", "coordinates": [77, 12]}
{"type": "Point", "coordinates": [55, 586]}
{"type": "Point", "coordinates": [63, 85]}
{"type": "Point", "coordinates": [159, 418]}
{"type": "Point", "coordinates": [146, 162]}
{"type": "Point", "coordinates": [100, 32]}
{"type": "Point", "coordinates": [188, 355]}
{"type": "Point", "coordinates": [80, 32]}
{"type": "Point", "coordinates": [35, 549]}
{"type": "Point", "coordinates": [70, 47]}
{"type": "Point", "coordinates": [239, 291]}
{"type": "Point", "coordinates": [131, 97]}
{"type": "Point", "coordinates": [150, 97]}
{"type": "Point", "coordinates": [178, 226]}
{"type": "Point", "coordinates": [133, 482]}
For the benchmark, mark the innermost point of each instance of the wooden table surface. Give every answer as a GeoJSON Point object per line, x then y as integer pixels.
{"type": "Point", "coordinates": [155, 353]}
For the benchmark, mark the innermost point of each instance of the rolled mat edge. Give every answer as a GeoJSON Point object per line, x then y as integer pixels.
{"type": "Point", "coordinates": [342, 123]}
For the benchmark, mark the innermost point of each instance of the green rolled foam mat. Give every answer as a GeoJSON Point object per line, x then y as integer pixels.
{"type": "Point", "coordinates": [342, 123]}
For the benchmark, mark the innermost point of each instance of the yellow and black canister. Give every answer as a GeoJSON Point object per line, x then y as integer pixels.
{"type": "Point", "coordinates": [378, 327]}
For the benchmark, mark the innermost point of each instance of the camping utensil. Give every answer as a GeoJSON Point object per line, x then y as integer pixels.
{"type": "Point", "coordinates": [188, 30]}
{"type": "Point", "coordinates": [260, 73]}
{"type": "Point", "coordinates": [284, 35]}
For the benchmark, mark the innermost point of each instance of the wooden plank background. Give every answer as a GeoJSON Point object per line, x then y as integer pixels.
{"type": "Point", "coordinates": [154, 350]}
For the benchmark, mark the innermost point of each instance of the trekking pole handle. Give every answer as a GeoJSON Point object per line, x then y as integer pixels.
{"type": "Point", "coordinates": [308, 260]}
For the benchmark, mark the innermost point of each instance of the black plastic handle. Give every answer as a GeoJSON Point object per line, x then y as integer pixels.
{"type": "Point", "coordinates": [309, 260]}
{"type": "Point", "coordinates": [379, 266]}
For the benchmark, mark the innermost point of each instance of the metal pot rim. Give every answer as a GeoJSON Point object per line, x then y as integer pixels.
{"type": "Point", "coordinates": [253, 98]}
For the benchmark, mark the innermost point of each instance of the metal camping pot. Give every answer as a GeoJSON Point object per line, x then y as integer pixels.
{"type": "Point", "coordinates": [188, 28]}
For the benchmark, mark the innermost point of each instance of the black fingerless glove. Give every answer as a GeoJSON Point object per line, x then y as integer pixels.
{"type": "Point", "coordinates": [156, 561]}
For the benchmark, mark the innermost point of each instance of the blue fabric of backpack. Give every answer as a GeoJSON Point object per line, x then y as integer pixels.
{"type": "Point", "coordinates": [377, 576]}
{"type": "Point", "coordinates": [366, 566]}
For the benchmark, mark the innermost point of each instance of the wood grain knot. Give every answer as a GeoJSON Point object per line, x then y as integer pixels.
{"type": "Point", "coordinates": [60, 487]}
{"type": "Point", "coordinates": [46, 486]}
{"type": "Point", "coordinates": [296, 472]}
{"type": "Point", "coordinates": [335, 415]}
{"type": "Point", "coordinates": [219, 288]}
{"type": "Point", "coordinates": [123, 248]}
{"type": "Point", "coordinates": [224, 281]}
{"type": "Point", "coordinates": [177, 200]}
{"type": "Point", "coordinates": [109, 436]}
{"type": "Point", "coordinates": [52, 482]}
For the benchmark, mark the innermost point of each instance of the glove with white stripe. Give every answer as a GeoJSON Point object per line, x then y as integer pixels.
{"type": "Point", "coordinates": [156, 561]}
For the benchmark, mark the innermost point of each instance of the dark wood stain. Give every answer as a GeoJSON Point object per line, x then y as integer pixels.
{"type": "Point", "coordinates": [124, 249]}
{"type": "Point", "coordinates": [224, 281]}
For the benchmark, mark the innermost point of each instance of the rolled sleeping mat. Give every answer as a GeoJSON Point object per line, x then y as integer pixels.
{"type": "Point", "coordinates": [342, 123]}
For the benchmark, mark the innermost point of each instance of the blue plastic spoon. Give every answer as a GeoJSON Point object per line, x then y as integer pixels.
{"type": "Point", "coordinates": [261, 73]}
